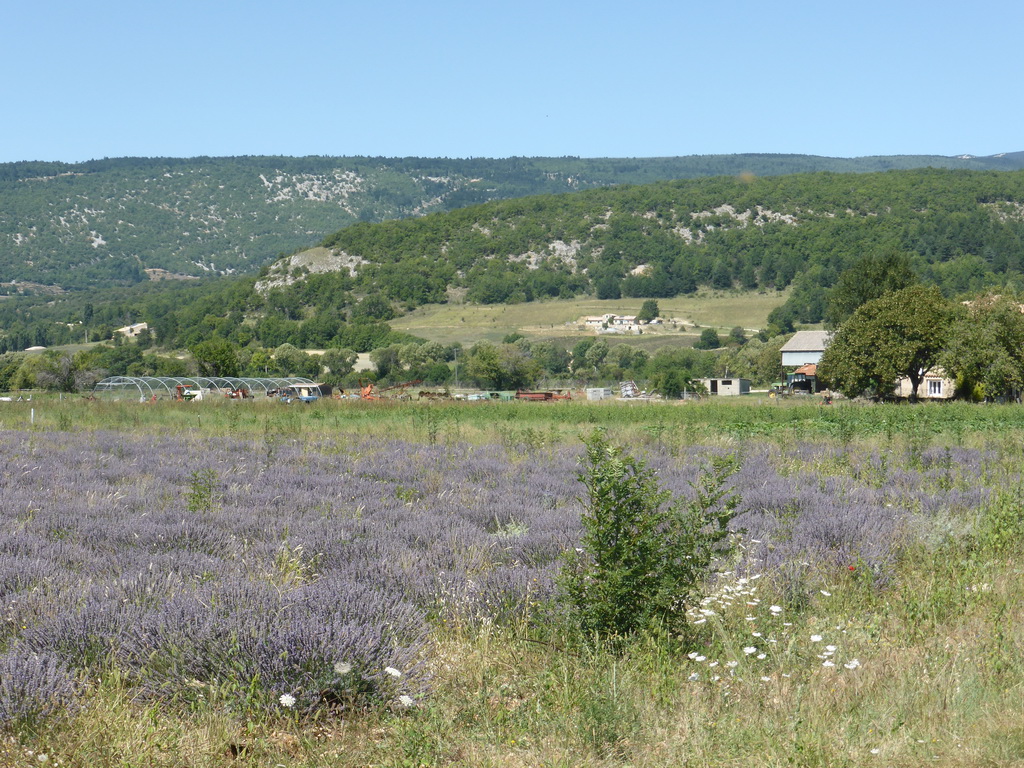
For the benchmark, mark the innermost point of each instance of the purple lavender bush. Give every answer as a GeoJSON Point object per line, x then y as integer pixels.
{"type": "Point", "coordinates": [34, 687]}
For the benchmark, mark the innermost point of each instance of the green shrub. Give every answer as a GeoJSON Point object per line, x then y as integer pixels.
{"type": "Point", "coordinates": [1000, 527]}
{"type": "Point", "coordinates": [643, 556]}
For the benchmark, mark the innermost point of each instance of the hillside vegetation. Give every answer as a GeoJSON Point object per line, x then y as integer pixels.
{"type": "Point", "coordinates": [741, 236]}
{"type": "Point", "coordinates": [127, 220]}
{"type": "Point", "coordinates": [963, 230]}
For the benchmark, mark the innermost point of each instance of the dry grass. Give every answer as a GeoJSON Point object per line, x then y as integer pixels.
{"type": "Point", "coordinates": [469, 323]}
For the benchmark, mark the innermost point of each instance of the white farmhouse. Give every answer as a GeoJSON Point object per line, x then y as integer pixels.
{"type": "Point", "coordinates": [805, 347]}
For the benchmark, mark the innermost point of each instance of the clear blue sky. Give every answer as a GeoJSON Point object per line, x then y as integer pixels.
{"type": "Point", "coordinates": [113, 78]}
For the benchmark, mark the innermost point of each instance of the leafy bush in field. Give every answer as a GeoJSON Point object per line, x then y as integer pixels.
{"type": "Point", "coordinates": [642, 559]}
{"type": "Point", "coordinates": [1000, 526]}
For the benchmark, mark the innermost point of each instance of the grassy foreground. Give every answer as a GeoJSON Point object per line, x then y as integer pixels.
{"type": "Point", "coordinates": [924, 667]}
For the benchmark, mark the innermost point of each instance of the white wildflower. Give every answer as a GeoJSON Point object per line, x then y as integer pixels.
{"type": "Point", "coordinates": [406, 701]}
{"type": "Point", "coordinates": [287, 700]}
{"type": "Point", "coordinates": [749, 650]}
{"type": "Point", "coordinates": [852, 664]}
{"type": "Point", "coordinates": [342, 668]}
{"type": "Point", "coordinates": [392, 671]}
{"type": "Point", "coordinates": [815, 638]}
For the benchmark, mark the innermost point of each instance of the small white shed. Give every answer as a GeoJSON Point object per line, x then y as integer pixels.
{"type": "Point", "coordinates": [726, 387]}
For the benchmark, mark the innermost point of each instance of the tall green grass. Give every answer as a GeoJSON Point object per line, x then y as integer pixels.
{"type": "Point", "coordinates": [567, 421]}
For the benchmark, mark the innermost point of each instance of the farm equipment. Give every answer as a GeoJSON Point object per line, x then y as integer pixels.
{"type": "Point", "coordinates": [303, 393]}
{"type": "Point", "coordinates": [393, 392]}
{"type": "Point", "coordinates": [292, 395]}
{"type": "Point", "coordinates": [185, 394]}
{"type": "Point", "coordinates": [629, 389]}
{"type": "Point", "coordinates": [542, 396]}
{"type": "Point", "coordinates": [427, 394]}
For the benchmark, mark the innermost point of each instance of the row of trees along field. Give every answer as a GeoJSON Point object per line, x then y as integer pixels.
{"type": "Point", "coordinates": [887, 326]}
{"type": "Point", "coordinates": [514, 363]}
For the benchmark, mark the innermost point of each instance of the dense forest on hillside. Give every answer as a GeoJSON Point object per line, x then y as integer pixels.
{"type": "Point", "coordinates": [125, 220]}
{"type": "Point", "coordinates": [960, 230]}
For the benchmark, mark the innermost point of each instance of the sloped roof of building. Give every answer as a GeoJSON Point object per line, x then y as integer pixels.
{"type": "Point", "coordinates": [807, 341]}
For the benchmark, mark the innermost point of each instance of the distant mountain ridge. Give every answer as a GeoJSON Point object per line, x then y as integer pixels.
{"type": "Point", "coordinates": [128, 220]}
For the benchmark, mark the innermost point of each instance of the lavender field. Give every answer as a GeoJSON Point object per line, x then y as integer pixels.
{"type": "Point", "coordinates": [319, 570]}
{"type": "Point", "coordinates": [276, 568]}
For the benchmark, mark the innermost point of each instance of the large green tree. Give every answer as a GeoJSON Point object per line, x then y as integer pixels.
{"type": "Point", "coordinates": [339, 364]}
{"type": "Point", "coordinates": [901, 334]}
{"type": "Point", "coordinates": [64, 373]}
{"type": "Point", "coordinates": [502, 366]}
{"type": "Point", "coordinates": [649, 311]}
{"type": "Point", "coordinates": [870, 278]}
{"type": "Point", "coordinates": [216, 357]}
{"type": "Point", "coordinates": [985, 352]}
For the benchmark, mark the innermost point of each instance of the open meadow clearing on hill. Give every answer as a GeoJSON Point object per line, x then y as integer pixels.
{"type": "Point", "coordinates": [561, 318]}
{"type": "Point", "coordinates": [352, 583]}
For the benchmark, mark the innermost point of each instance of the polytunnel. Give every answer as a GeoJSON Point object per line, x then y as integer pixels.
{"type": "Point", "coordinates": [195, 387]}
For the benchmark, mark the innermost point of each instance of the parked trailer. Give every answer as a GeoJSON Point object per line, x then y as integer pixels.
{"type": "Point", "coordinates": [542, 396]}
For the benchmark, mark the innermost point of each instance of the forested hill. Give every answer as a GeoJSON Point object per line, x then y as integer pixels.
{"type": "Point", "coordinates": [962, 230]}
{"type": "Point", "coordinates": [122, 221]}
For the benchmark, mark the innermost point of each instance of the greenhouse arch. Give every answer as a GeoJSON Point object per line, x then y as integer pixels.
{"type": "Point", "coordinates": [194, 387]}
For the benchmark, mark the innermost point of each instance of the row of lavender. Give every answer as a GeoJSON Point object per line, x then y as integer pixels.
{"type": "Point", "coordinates": [311, 574]}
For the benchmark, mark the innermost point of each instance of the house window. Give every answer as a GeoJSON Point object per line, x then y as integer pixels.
{"type": "Point", "coordinates": [726, 382]}
{"type": "Point", "coordinates": [934, 387]}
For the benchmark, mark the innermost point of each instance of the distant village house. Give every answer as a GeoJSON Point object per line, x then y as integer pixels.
{"type": "Point", "coordinates": [132, 331]}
